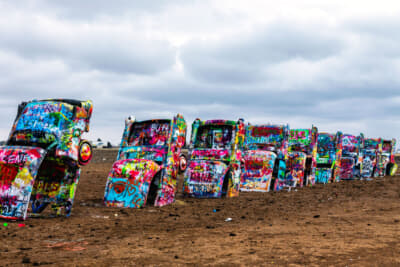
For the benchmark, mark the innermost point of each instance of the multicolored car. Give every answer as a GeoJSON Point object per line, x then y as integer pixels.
{"type": "Point", "coordinates": [372, 153]}
{"type": "Point", "coordinates": [352, 157]}
{"type": "Point", "coordinates": [214, 159]}
{"type": "Point", "coordinates": [302, 156]}
{"type": "Point", "coordinates": [264, 157]}
{"type": "Point", "coordinates": [329, 154]}
{"type": "Point", "coordinates": [147, 164]}
{"type": "Point", "coordinates": [40, 165]}
{"type": "Point", "coordinates": [388, 161]}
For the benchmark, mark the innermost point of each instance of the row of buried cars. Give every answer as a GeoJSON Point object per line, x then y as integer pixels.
{"type": "Point", "coordinates": [41, 161]}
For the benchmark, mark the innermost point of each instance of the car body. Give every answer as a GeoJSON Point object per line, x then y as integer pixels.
{"type": "Point", "coordinates": [214, 159]}
{"type": "Point", "coordinates": [302, 156]}
{"type": "Point", "coordinates": [372, 153]}
{"type": "Point", "coordinates": [352, 157]}
{"type": "Point", "coordinates": [40, 164]}
{"type": "Point", "coordinates": [264, 157]}
{"type": "Point", "coordinates": [147, 164]}
{"type": "Point", "coordinates": [388, 160]}
{"type": "Point", "coordinates": [329, 153]}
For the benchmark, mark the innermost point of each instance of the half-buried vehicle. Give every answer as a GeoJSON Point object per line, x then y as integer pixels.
{"type": "Point", "coordinates": [214, 159]}
{"type": "Point", "coordinates": [264, 157]}
{"type": "Point", "coordinates": [147, 164]}
{"type": "Point", "coordinates": [40, 164]}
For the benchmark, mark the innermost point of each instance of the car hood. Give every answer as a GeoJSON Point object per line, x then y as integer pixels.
{"type": "Point", "coordinates": [18, 169]}
{"type": "Point", "coordinates": [257, 171]}
{"type": "Point", "coordinates": [204, 178]}
{"type": "Point", "coordinates": [129, 182]}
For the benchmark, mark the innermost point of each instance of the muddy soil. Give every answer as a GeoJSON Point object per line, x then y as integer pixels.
{"type": "Point", "coordinates": [344, 224]}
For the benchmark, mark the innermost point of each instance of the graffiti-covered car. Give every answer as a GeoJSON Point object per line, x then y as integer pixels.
{"type": "Point", "coordinates": [329, 153]}
{"type": "Point", "coordinates": [40, 164]}
{"type": "Point", "coordinates": [214, 159]}
{"type": "Point", "coordinates": [264, 157]}
{"type": "Point", "coordinates": [372, 153]}
{"type": "Point", "coordinates": [147, 164]}
{"type": "Point", "coordinates": [389, 165]}
{"type": "Point", "coordinates": [352, 157]}
{"type": "Point", "coordinates": [302, 156]}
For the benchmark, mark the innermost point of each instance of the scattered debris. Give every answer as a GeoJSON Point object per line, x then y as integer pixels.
{"type": "Point", "coordinates": [100, 217]}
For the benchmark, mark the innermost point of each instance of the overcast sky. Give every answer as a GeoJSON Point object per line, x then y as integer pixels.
{"type": "Point", "coordinates": [334, 64]}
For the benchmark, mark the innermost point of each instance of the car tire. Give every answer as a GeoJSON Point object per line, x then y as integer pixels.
{"type": "Point", "coordinates": [182, 163]}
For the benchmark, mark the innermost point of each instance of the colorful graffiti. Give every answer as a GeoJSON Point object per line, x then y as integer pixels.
{"type": "Point", "coordinates": [302, 157]}
{"type": "Point", "coordinates": [215, 159]}
{"type": "Point", "coordinates": [130, 181]}
{"type": "Point", "coordinates": [257, 171]}
{"type": "Point", "coordinates": [389, 165]}
{"type": "Point", "coordinates": [150, 150]}
{"type": "Point", "coordinates": [18, 169]}
{"type": "Point", "coordinates": [352, 157]}
{"type": "Point", "coordinates": [265, 155]}
{"type": "Point", "coordinates": [45, 143]}
{"type": "Point", "coordinates": [329, 154]}
{"type": "Point", "coordinates": [372, 153]}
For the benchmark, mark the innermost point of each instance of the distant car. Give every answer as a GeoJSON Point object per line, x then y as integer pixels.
{"type": "Point", "coordinates": [147, 164]}
{"type": "Point", "coordinates": [389, 166]}
{"type": "Point", "coordinates": [352, 157]}
{"type": "Point", "coordinates": [372, 152]}
{"type": "Point", "coordinates": [41, 162]}
{"type": "Point", "coordinates": [100, 144]}
{"type": "Point", "coordinates": [328, 157]}
{"type": "Point", "coordinates": [302, 156]}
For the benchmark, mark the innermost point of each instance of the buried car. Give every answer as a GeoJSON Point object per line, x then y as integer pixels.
{"type": "Point", "coordinates": [352, 157]}
{"type": "Point", "coordinates": [389, 164]}
{"type": "Point", "coordinates": [40, 163]}
{"type": "Point", "coordinates": [329, 153]}
{"type": "Point", "coordinates": [264, 157]}
{"type": "Point", "coordinates": [147, 164]}
{"type": "Point", "coordinates": [214, 159]}
{"type": "Point", "coordinates": [302, 156]}
{"type": "Point", "coordinates": [372, 153]}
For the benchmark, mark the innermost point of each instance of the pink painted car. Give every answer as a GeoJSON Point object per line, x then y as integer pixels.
{"type": "Point", "coordinates": [147, 164]}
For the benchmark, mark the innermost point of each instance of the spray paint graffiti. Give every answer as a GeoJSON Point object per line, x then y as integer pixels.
{"type": "Point", "coordinates": [352, 157]}
{"type": "Point", "coordinates": [372, 153]}
{"type": "Point", "coordinates": [147, 165]}
{"type": "Point", "coordinates": [41, 163]}
{"type": "Point", "coordinates": [329, 154]}
{"type": "Point", "coordinates": [389, 165]}
{"type": "Point", "coordinates": [302, 156]}
{"type": "Point", "coordinates": [265, 155]}
{"type": "Point", "coordinates": [215, 159]}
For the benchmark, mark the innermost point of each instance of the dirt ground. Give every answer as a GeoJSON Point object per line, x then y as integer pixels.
{"type": "Point", "coordinates": [344, 224]}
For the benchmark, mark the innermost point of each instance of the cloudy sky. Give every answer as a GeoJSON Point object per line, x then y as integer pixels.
{"type": "Point", "coordinates": [334, 64]}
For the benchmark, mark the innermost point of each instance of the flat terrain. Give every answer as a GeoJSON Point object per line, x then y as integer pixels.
{"type": "Point", "coordinates": [344, 224]}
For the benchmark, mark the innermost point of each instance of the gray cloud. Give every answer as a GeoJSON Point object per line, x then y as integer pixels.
{"type": "Point", "coordinates": [159, 58]}
{"type": "Point", "coordinates": [246, 57]}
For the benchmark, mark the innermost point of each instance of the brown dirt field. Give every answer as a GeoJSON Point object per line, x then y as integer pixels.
{"type": "Point", "coordinates": [344, 224]}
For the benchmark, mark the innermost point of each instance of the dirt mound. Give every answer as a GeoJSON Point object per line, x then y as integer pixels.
{"type": "Point", "coordinates": [348, 223]}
